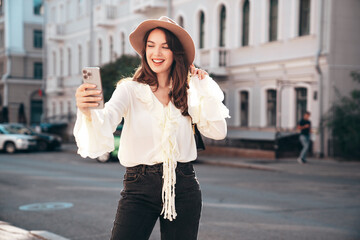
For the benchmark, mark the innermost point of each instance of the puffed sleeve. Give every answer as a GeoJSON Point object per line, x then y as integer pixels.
{"type": "Point", "coordinates": [206, 108]}
{"type": "Point", "coordinates": [95, 137]}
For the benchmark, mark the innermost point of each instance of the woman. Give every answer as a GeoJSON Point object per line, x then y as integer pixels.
{"type": "Point", "coordinates": [157, 143]}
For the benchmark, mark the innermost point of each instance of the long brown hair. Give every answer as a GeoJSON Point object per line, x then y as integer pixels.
{"type": "Point", "coordinates": [179, 71]}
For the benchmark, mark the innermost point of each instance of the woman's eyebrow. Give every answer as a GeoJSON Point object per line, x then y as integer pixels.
{"type": "Point", "coordinates": [149, 41]}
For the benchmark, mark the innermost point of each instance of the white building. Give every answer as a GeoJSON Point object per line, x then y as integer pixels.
{"type": "Point", "coordinates": [274, 59]}
{"type": "Point", "coordinates": [21, 54]}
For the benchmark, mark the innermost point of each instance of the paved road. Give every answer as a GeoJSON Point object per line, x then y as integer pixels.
{"type": "Point", "coordinates": [238, 203]}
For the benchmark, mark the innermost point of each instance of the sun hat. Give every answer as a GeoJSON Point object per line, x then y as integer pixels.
{"type": "Point", "coordinates": [137, 36]}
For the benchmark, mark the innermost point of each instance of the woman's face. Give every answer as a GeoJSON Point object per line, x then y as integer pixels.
{"type": "Point", "coordinates": [158, 54]}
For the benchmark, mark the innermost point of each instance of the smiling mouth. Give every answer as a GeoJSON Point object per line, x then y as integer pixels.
{"type": "Point", "coordinates": [158, 61]}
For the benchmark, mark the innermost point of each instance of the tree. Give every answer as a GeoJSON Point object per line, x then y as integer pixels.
{"type": "Point", "coordinates": [344, 122]}
{"type": "Point", "coordinates": [111, 73]}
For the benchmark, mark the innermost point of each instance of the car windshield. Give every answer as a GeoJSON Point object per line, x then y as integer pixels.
{"type": "Point", "coordinates": [8, 130]}
{"type": "Point", "coordinates": [20, 129]}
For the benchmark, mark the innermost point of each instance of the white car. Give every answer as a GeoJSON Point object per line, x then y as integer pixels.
{"type": "Point", "coordinates": [10, 141]}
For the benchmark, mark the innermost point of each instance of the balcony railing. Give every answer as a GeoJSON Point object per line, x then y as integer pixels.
{"type": "Point", "coordinates": [141, 6]}
{"type": "Point", "coordinates": [215, 60]}
{"type": "Point", "coordinates": [104, 15]}
{"type": "Point", "coordinates": [56, 32]}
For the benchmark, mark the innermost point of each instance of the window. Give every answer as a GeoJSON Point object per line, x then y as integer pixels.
{"type": "Point", "coordinates": [181, 21]}
{"type": "Point", "coordinates": [245, 23]}
{"type": "Point", "coordinates": [100, 51]}
{"type": "Point", "coordinates": [61, 63]}
{"type": "Point", "coordinates": [301, 103]}
{"type": "Point", "coordinates": [38, 7]}
{"type": "Point", "coordinates": [80, 59]}
{"type": "Point", "coordinates": [54, 64]}
{"type": "Point", "coordinates": [38, 38]}
{"type": "Point", "coordinates": [244, 108]}
{"type": "Point", "coordinates": [69, 61]}
{"type": "Point", "coordinates": [222, 26]}
{"type": "Point", "coordinates": [202, 29]}
{"type": "Point", "coordinates": [273, 21]}
{"type": "Point", "coordinates": [1, 69]}
{"type": "Point", "coordinates": [122, 37]}
{"type": "Point", "coordinates": [2, 38]}
{"type": "Point", "coordinates": [304, 21]}
{"type": "Point", "coordinates": [61, 108]}
{"type": "Point", "coordinates": [1, 7]}
{"type": "Point", "coordinates": [271, 108]}
{"type": "Point", "coordinates": [38, 70]}
{"type": "Point", "coordinates": [111, 42]}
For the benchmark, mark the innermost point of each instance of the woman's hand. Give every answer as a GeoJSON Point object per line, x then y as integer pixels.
{"type": "Point", "coordinates": [85, 98]}
{"type": "Point", "coordinates": [196, 71]}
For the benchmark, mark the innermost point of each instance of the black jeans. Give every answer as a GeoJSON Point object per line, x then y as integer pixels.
{"type": "Point", "coordinates": [141, 204]}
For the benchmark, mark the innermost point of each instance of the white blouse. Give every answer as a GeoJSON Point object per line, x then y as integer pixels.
{"type": "Point", "coordinates": [153, 133]}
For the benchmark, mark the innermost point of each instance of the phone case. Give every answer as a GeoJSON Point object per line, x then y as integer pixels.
{"type": "Point", "coordinates": [92, 75]}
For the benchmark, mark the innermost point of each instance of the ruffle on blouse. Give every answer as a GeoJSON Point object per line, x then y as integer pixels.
{"type": "Point", "coordinates": [89, 131]}
{"type": "Point", "coordinates": [205, 101]}
{"type": "Point", "coordinates": [168, 118]}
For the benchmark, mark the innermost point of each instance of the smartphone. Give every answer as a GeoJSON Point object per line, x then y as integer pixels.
{"type": "Point", "coordinates": [92, 75]}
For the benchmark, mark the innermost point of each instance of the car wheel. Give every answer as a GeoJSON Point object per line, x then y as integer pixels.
{"type": "Point", "coordinates": [42, 146]}
{"type": "Point", "coordinates": [10, 147]}
{"type": "Point", "coordinates": [104, 158]}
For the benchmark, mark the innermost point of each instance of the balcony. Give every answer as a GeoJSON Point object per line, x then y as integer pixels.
{"type": "Point", "coordinates": [141, 6]}
{"type": "Point", "coordinates": [105, 15]}
{"type": "Point", "coordinates": [55, 32]}
{"type": "Point", "coordinates": [55, 86]}
{"type": "Point", "coordinates": [214, 60]}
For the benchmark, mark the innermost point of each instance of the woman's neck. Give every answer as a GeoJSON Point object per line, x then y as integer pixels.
{"type": "Point", "coordinates": [163, 80]}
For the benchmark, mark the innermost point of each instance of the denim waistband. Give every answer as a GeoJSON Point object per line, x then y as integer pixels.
{"type": "Point", "coordinates": [142, 168]}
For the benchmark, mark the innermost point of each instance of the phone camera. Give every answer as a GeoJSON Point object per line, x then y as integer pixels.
{"type": "Point", "coordinates": [85, 77]}
{"type": "Point", "coordinates": [84, 71]}
{"type": "Point", "coordinates": [89, 74]}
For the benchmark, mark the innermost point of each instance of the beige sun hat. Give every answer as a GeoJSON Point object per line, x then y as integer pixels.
{"type": "Point", "coordinates": [137, 36]}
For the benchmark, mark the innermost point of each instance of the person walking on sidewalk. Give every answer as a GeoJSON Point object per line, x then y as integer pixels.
{"type": "Point", "coordinates": [305, 127]}
{"type": "Point", "coordinates": [159, 104]}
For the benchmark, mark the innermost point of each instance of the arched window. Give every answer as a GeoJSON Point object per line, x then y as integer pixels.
{"type": "Point", "coordinates": [245, 23]}
{"type": "Point", "coordinates": [61, 62]}
{"type": "Point", "coordinates": [222, 26]}
{"type": "Point", "coordinates": [202, 30]}
{"type": "Point", "coordinates": [80, 59]}
{"type": "Point", "coordinates": [301, 103]}
{"type": "Point", "coordinates": [100, 51]}
{"type": "Point", "coordinates": [304, 21]}
{"type": "Point", "coordinates": [54, 63]}
{"type": "Point", "coordinates": [69, 62]}
{"type": "Point", "coordinates": [244, 108]}
{"type": "Point", "coordinates": [271, 107]}
{"type": "Point", "coordinates": [122, 41]}
{"type": "Point", "coordinates": [111, 43]}
{"type": "Point", "coordinates": [273, 20]}
{"type": "Point", "coordinates": [181, 21]}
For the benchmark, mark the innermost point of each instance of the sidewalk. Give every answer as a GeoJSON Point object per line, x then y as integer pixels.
{"type": "Point", "coordinates": [9, 232]}
{"type": "Point", "coordinates": [314, 166]}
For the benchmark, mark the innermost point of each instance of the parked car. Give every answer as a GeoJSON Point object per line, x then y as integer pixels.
{"type": "Point", "coordinates": [11, 141]}
{"type": "Point", "coordinates": [107, 157]}
{"type": "Point", "coordinates": [45, 141]}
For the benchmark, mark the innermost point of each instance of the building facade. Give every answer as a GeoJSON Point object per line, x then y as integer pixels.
{"type": "Point", "coordinates": [21, 61]}
{"type": "Point", "coordinates": [274, 59]}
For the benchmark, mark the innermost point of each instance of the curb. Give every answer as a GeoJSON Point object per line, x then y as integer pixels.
{"type": "Point", "coordinates": [235, 164]}
{"type": "Point", "coordinates": [10, 232]}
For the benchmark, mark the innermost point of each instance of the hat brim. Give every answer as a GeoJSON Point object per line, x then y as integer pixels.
{"type": "Point", "coordinates": [137, 36]}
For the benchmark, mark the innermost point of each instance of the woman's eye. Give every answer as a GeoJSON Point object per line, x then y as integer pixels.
{"type": "Point", "coordinates": [150, 46]}
{"type": "Point", "coordinates": [166, 47]}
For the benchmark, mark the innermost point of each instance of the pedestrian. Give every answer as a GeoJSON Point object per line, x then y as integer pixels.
{"type": "Point", "coordinates": [305, 127]}
{"type": "Point", "coordinates": [159, 104]}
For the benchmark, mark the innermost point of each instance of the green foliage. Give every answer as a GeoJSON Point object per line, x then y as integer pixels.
{"type": "Point", "coordinates": [111, 73]}
{"type": "Point", "coordinates": [344, 122]}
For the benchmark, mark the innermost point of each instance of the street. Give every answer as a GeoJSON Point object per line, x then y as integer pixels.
{"type": "Point", "coordinates": [237, 203]}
